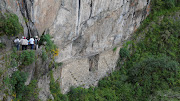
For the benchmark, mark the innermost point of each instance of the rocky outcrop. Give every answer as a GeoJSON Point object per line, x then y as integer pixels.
{"type": "Point", "coordinates": [86, 31]}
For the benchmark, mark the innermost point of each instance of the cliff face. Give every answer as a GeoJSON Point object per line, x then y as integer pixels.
{"type": "Point", "coordinates": [86, 31]}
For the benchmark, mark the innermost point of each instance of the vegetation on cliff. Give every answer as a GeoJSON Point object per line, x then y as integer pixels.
{"type": "Point", "coordinates": [9, 24]}
{"type": "Point", "coordinates": [49, 44]}
{"type": "Point", "coordinates": [19, 62]}
{"type": "Point", "coordinates": [55, 90]}
{"type": "Point", "coordinates": [20, 91]}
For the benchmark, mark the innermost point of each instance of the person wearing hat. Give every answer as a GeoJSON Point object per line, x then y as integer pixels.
{"type": "Point", "coordinates": [24, 43]}
{"type": "Point", "coordinates": [31, 41]}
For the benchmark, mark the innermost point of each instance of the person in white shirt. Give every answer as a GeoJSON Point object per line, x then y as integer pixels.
{"type": "Point", "coordinates": [17, 42]}
{"type": "Point", "coordinates": [24, 43]}
{"type": "Point", "coordinates": [31, 41]}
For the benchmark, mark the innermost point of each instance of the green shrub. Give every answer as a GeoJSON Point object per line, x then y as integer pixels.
{"type": "Point", "coordinates": [50, 47]}
{"type": "Point", "coordinates": [14, 59]}
{"type": "Point", "coordinates": [165, 95]}
{"type": "Point", "coordinates": [125, 91]}
{"type": "Point", "coordinates": [21, 91]}
{"type": "Point", "coordinates": [2, 45]}
{"type": "Point", "coordinates": [55, 90]}
{"type": "Point", "coordinates": [56, 64]}
{"type": "Point", "coordinates": [27, 57]}
{"type": "Point", "coordinates": [44, 55]}
{"type": "Point", "coordinates": [78, 94]}
{"type": "Point", "coordinates": [49, 44]}
{"type": "Point", "coordinates": [157, 4]}
{"type": "Point", "coordinates": [104, 83]}
{"type": "Point", "coordinates": [105, 94]}
{"type": "Point", "coordinates": [114, 49]}
{"type": "Point", "coordinates": [10, 25]}
{"type": "Point", "coordinates": [163, 4]}
{"type": "Point", "coordinates": [124, 53]}
{"type": "Point", "coordinates": [32, 91]}
{"type": "Point", "coordinates": [155, 73]}
{"type": "Point", "coordinates": [17, 82]}
{"type": "Point", "coordinates": [170, 3]}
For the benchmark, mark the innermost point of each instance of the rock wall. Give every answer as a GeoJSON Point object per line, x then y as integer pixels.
{"type": "Point", "coordinates": [86, 31]}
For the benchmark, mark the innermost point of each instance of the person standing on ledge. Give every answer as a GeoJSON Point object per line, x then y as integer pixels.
{"type": "Point", "coordinates": [36, 42]}
{"type": "Point", "coordinates": [22, 41]}
{"type": "Point", "coordinates": [17, 43]}
{"type": "Point", "coordinates": [31, 41]}
{"type": "Point", "coordinates": [26, 43]}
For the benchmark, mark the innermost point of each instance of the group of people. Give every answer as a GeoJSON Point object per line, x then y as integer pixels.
{"type": "Point", "coordinates": [24, 42]}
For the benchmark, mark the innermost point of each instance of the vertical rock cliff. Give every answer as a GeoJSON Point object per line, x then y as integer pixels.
{"type": "Point", "coordinates": [85, 31]}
